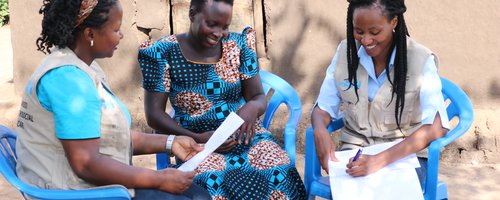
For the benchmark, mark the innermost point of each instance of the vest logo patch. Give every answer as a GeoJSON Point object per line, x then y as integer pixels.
{"type": "Point", "coordinates": [107, 104]}
{"type": "Point", "coordinates": [26, 116]}
{"type": "Point", "coordinates": [345, 84]}
{"type": "Point", "coordinates": [107, 101]}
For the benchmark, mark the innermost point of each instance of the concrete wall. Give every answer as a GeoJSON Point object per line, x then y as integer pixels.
{"type": "Point", "coordinates": [297, 40]}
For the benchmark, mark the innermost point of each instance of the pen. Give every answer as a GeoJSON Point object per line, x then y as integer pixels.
{"type": "Point", "coordinates": [357, 155]}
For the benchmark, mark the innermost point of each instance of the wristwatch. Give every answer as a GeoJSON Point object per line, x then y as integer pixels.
{"type": "Point", "coordinates": [168, 145]}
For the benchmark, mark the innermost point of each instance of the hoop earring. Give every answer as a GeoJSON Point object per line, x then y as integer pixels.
{"type": "Point", "coordinates": [91, 43]}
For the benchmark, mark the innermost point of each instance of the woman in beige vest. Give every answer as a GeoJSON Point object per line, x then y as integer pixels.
{"type": "Point", "coordinates": [73, 132]}
{"type": "Point", "coordinates": [389, 88]}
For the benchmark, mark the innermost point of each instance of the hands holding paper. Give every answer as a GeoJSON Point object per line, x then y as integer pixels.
{"type": "Point", "coordinates": [185, 147]}
{"type": "Point", "coordinates": [227, 127]}
{"type": "Point", "coordinates": [246, 131]}
{"type": "Point", "coordinates": [175, 181]}
{"type": "Point", "coordinates": [244, 134]}
{"type": "Point", "coordinates": [325, 149]}
{"type": "Point", "coordinates": [226, 146]}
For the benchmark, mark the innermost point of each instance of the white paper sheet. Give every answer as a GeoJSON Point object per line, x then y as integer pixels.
{"type": "Point", "coordinates": [228, 127]}
{"type": "Point", "coordinates": [395, 181]}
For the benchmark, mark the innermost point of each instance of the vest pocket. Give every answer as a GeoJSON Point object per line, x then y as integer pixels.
{"type": "Point", "coordinates": [114, 143]}
{"type": "Point", "coordinates": [113, 147]}
{"type": "Point", "coordinates": [389, 118]}
{"type": "Point", "coordinates": [351, 110]}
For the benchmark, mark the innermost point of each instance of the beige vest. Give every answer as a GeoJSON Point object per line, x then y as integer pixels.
{"type": "Point", "coordinates": [41, 158]}
{"type": "Point", "coordinates": [368, 123]}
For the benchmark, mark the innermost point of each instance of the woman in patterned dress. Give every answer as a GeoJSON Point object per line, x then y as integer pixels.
{"type": "Point", "coordinates": [207, 73]}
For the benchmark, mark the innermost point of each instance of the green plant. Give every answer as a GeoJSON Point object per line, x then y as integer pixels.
{"type": "Point", "coordinates": [4, 12]}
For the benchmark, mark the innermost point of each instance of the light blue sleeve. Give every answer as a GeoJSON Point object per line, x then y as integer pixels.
{"type": "Point", "coordinates": [329, 97]}
{"type": "Point", "coordinates": [71, 95]}
{"type": "Point", "coordinates": [431, 98]}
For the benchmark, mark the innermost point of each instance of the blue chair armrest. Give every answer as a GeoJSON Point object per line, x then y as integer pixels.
{"type": "Point", "coordinates": [289, 142]}
{"type": "Point", "coordinates": [312, 169]}
{"type": "Point", "coordinates": [118, 192]}
{"type": "Point", "coordinates": [290, 132]}
{"type": "Point", "coordinates": [461, 107]}
{"type": "Point", "coordinates": [112, 193]}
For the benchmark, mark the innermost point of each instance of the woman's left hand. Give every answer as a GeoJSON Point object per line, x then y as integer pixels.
{"type": "Point", "coordinates": [185, 147]}
{"type": "Point", "coordinates": [364, 165]}
{"type": "Point", "coordinates": [249, 114]}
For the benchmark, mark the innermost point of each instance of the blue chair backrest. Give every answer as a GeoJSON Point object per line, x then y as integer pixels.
{"type": "Point", "coordinates": [283, 93]}
{"type": "Point", "coordinates": [460, 106]}
{"type": "Point", "coordinates": [8, 161]}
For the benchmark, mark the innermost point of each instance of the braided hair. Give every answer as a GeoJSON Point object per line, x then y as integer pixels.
{"type": "Point", "coordinates": [391, 9]}
{"type": "Point", "coordinates": [197, 5]}
{"type": "Point", "coordinates": [59, 18]}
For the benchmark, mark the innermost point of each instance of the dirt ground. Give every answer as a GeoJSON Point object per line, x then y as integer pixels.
{"type": "Point", "coordinates": [464, 180]}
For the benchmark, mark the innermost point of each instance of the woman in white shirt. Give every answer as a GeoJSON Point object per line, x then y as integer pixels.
{"type": "Point", "coordinates": [388, 86]}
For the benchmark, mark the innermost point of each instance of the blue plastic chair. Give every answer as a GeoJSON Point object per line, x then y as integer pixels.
{"type": "Point", "coordinates": [8, 160]}
{"type": "Point", "coordinates": [460, 106]}
{"type": "Point", "coordinates": [283, 94]}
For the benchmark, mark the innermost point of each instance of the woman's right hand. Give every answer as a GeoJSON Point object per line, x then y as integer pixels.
{"type": "Point", "coordinates": [185, 147]}
{"type": "Point", "coordinates": [325, 148]}
{"type": "Point", "coordinates": [175, 181]}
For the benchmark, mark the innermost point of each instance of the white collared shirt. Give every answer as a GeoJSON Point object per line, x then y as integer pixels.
{"type": "Point", "coordinates": [431, 98]}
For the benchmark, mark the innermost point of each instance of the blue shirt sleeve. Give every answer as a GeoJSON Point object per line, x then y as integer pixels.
{"type": "Point", "coordinates": [71, 95]}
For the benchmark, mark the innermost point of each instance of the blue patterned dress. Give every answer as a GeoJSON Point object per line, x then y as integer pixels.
{"type": "Point", "coordinates": [203, 95]}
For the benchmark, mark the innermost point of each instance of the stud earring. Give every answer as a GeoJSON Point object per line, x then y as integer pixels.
{"type": "Point", "coordinates": [91, 43]}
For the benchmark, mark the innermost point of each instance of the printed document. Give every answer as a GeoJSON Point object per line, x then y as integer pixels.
{"type": "Point", "coordinates": [226, 129]}
{"type": "Point", "coordinates": [397, 180]}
